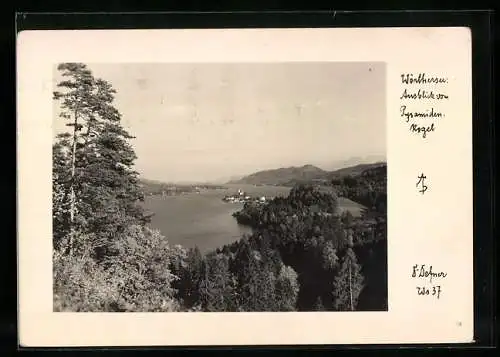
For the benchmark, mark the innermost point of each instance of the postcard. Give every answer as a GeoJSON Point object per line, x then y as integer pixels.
{"type": "Point", "coordinates": [245, 187]}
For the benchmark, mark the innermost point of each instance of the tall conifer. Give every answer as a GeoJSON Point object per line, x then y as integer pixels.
{"type": "Point", "coordinates": [348, 281]}
{"type": "Point", "coordinates": [93, 162]}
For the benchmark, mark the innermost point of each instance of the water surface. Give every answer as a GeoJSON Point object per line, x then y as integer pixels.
{"type": "Point", "coordinates": [203, 219]}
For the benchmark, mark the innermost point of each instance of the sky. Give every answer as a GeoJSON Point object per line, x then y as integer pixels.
{"type": "Point", "coordinates": [211, 122]}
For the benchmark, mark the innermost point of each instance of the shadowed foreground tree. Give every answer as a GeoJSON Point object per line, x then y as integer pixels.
{"type": "Point", "coordinates": [190, 276]}
{"type": "Point", "coordinates": [318, 305]}
{"type": "Point", "coordinates": [348, 281]}
{"type": "Point", "coordinates": [105, 257]}
{"type": "Point", "coordinates": [136, 279]}
{"type": "Point", "coordinates": [217, 286]}
{"type": "Point", "coordinates": [287, 289]}
{"type": "Point", "coordinates": [98, 190]}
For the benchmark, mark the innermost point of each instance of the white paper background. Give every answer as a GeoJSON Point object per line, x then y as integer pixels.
{"type": "Point", "coordinates": [435, 228]}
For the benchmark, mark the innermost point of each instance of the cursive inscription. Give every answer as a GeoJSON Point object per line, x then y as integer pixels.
{"type": "Point", "coordinates": [422, 94]}
{"type": "Point", "coordinates": [427, 113]}
{"type": "Point", "coordinates": [421, 129]}
{"type": "Point", "coordinates": [422, 78]}
{"type": "Point", "coordinates": [427, 89]}
{"type": "Point", "coordinates": [433, 291]}
{"type": "Point", "coordinates": [428, 276]}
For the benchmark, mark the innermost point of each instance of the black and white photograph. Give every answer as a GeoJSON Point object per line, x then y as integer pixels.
{"type": "Point", "coordinates": [232, 187]}
{"type": "Point", "coordinates": [219, 187]}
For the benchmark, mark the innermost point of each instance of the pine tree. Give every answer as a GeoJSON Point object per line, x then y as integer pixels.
{"type": "Point", "coordinates": [190, 278]}
{"type": "Point", "coordinates": [61, 178]}
{"type": "Point", "coordinates": [266, 291]}
{"type": "Point", "coordinates": [287, 289]}
{"type": "Point", "coordinates": [207, 291]}
{"type": "Point", "coordinates": [269, 269]}
{"type": "Point", "coordinates": [94, 162]}
{"type": "Point", "coordinates": [348, 281]}
{"type": "Point", "coordinates": [75, 107]}
{"type": "Point", "coordinates": [105, 257]}
{"type": "Point", "coordinates": [249, 277]}
{"type": "Point", "coordinates": [217, 292]}
{"type": "Point", "coordinates": [329, 256]}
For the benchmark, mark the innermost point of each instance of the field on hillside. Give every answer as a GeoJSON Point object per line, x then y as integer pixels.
{"type": "Point", "coordinates": [346, 204]}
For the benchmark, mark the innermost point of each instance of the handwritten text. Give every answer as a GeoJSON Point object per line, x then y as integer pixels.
{"type": "Point", "coordinates": [422, 88]}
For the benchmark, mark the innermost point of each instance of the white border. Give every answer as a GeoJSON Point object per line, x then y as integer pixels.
{"type": "Point", "coordinates": [432, 229]}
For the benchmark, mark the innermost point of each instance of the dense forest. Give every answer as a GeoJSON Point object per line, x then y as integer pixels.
{"type": "Point", "coordinates": [304, 253]}
{"type": "Point", "coordinates": [309, 234]}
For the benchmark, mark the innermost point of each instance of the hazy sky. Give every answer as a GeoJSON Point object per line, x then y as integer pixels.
{"type": "Point", "coordinates": [202, 122]}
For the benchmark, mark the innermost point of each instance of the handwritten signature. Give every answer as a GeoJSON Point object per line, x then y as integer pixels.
{"type": "Point", "coordinates": [422, 271]}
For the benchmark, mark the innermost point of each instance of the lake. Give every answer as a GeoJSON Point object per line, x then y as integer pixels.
{"type": "Point", "coordinates": [204, 220]}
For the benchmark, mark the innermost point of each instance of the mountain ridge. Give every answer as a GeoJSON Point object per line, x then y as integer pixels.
{"type": "Point", "coordinates": [281, 175]}
{"type": "Point", "coordinates": [295, 174]}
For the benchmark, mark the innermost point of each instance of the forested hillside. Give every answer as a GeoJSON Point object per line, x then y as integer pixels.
{"type": "Point", "coordinates": [292, 176]}
{"type": "Point", "coordinates": [282, 176]}
{"type": "Point", "coordinates": [304, 254]}
{"type": "Point", "coordinates": [306, 230]}
{"type": "Point", "coordinates": [368, 187]}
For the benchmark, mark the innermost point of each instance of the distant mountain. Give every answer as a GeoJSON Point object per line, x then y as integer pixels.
{"type": "Point", "coordinates": [227, 179]}
{"type": "Point", "coordinates": [292, 175]}
{"type": "Point", "coordinates": [155, 187]}
{"type": "Point", "coordinates": [356, 160]}
{"type": "Point", "coordinates": [287, 176]}
{"type": "Point", "coordinates": [282, 176]}
{"type": "Point", "coordinates": [354, 170]}
{"type": "Point", "coordinates": [145, 181]}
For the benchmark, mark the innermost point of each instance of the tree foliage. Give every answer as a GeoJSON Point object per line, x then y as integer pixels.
{"type": "Point", "coordinates": [105, 257]}
{"type": "Point", "coordinates": [217, 286]}
{"type": "Point", "coordinates": [304, 252]}
{"type": "Point", "coordinates": [312, 236]}
{"type": "Point", "coordinates": [348, 282]}
{"type": "Point", "coordinates": [136, 278]}
{"type": "Point", "coordinates": [287, 289]}
{"type": "Point", "coordinates": [98, 191]}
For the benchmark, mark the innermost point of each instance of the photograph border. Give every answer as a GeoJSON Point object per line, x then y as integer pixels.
{"type": "Point", "coordinates": [483, 254]}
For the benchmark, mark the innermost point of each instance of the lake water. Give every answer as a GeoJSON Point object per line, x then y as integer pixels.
{"type": "Point", "coordinates": [203, 219]}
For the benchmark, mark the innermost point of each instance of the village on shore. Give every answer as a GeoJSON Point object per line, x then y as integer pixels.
{"type": "Point", "coordinates": [242, 197]}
